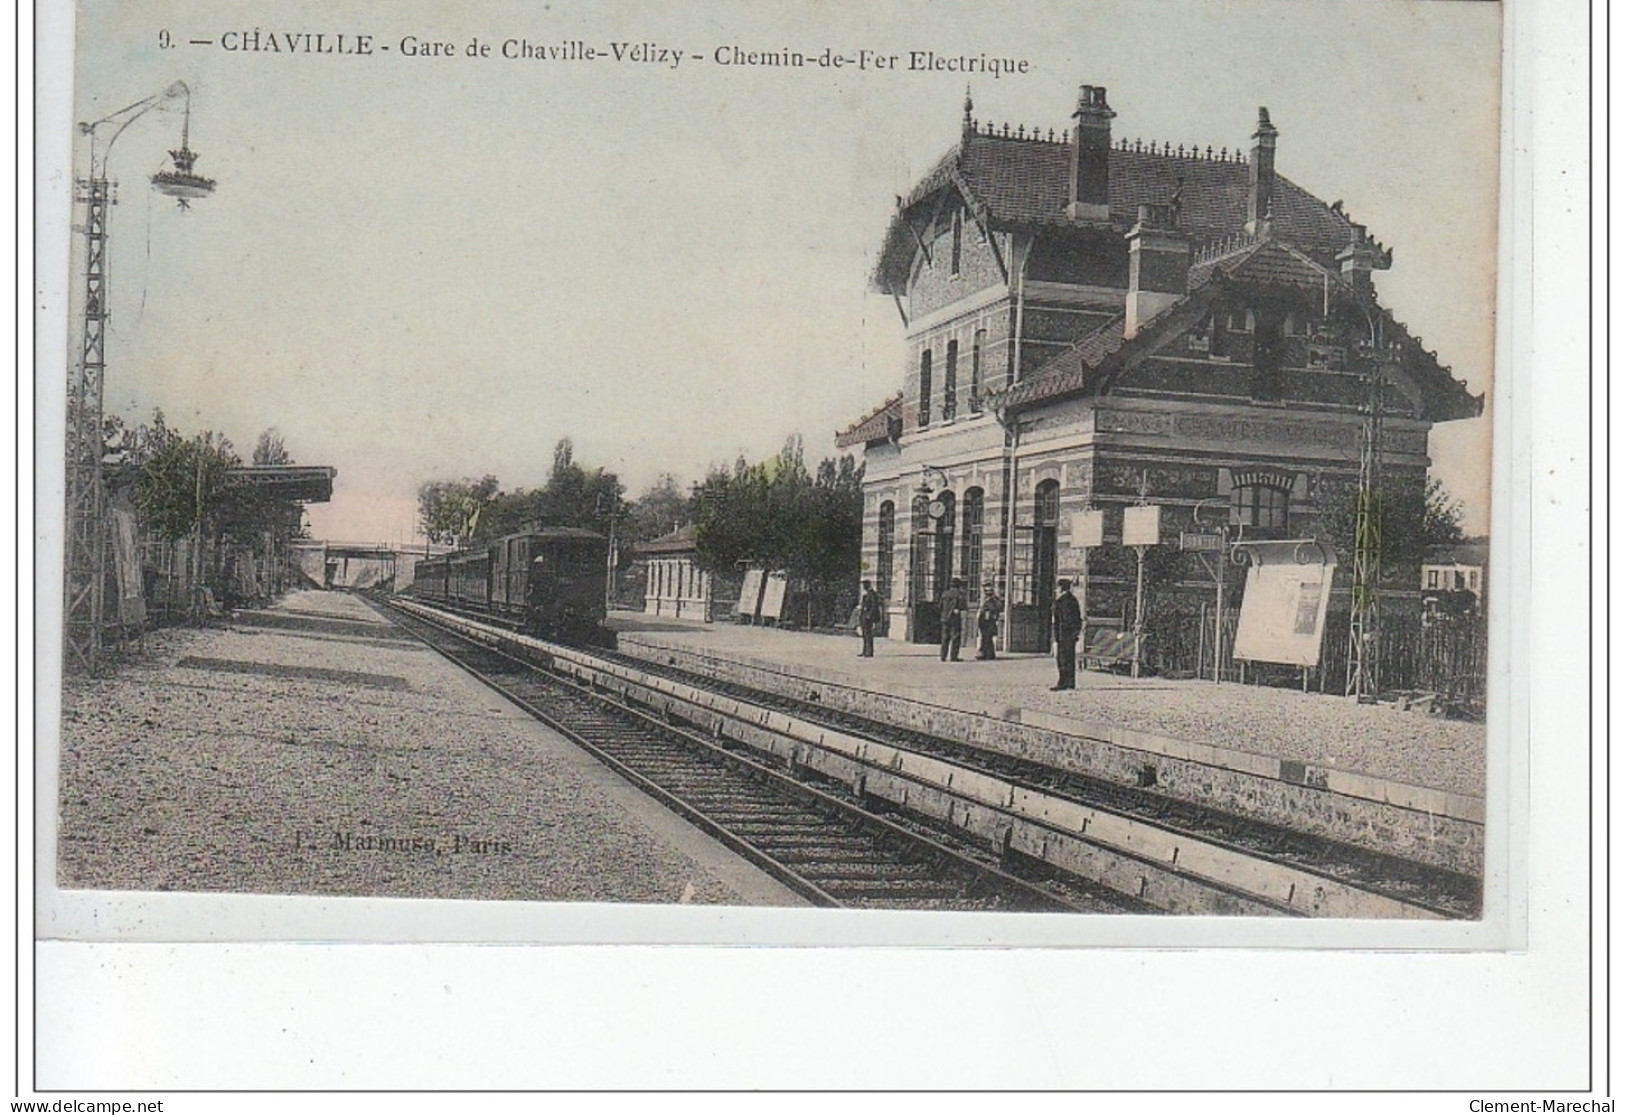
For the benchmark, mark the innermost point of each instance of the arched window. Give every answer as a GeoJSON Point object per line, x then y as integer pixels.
{"type": "Point", "coordinates": [942, 568]}
{"type": "Point", "coordinates": [950, 382]}
{"type": "Point", "coordinates": [922, 551]}
{"type": "Point", "coordinates": [1047, 505]}
{"type": "Point", "coordinates": [970, 559]}
{"type": "Point", "coordinates": [977, 343]}
{"type": "Point", "coordinates": [888, 549]}
{"type": "Point", "coordinates": [1046, 521]}
{"type": "Point", "coordinates": [1261, 506]}
{"type": "Point", "coordinates": [925, 388]}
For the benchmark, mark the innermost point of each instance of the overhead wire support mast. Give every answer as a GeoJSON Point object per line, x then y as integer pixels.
{"type": "Point", "coordinates": [85, 559]}
{"type": "Point", "coordinates": [1365, 604]}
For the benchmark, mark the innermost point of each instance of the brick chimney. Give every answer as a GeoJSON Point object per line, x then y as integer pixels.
{"type": "Point", "coordinates": [1359, 259]}
{"type": "Point", "coordinates": [1261, 174]}
{"type": "Point", "coordinates": [1159, 263]}
{"type": "Point", "coordinates": [1091, 148]}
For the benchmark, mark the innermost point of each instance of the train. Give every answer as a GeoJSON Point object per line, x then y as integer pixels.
{"type": "Point", "coordinates": [551, 582]}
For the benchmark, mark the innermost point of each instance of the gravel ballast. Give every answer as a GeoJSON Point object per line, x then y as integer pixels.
{"type": "Point", "coordinates": [277, 760]}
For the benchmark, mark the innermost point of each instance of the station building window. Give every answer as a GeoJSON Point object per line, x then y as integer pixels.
{"type": "Point", "coordinates": [1046, 524]}
{"type": "Point", "coordinates": [943, 568]}
{"type": "Point", "coordinates": [1261, 506]}
{"type": "Point", "coordinates": [888, 549]}
{"type": "Point", "coordinates": [925, 388]}
{"type": "Point", "coordinates": [970, 560]}
{"type": "Point", "coordinates": [1199, 341]}
{"type": "Point", "coordinates": [950, 382]}
{"type": "Point", "coordinates": [976, 346]}
{"type": "Point", "coordinates": [922, 552]}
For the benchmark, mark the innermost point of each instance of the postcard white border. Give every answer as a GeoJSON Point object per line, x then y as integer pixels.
{"type": "Point", "coordinates": [1491, 997]}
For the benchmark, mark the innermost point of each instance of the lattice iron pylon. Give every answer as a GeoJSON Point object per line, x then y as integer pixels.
{"type": "Point", "coordinates": [1365, 604]}
{"type": "Point", "coordinates": [86, 551]}
{"type": "Point", "coordinates": [86, 556]}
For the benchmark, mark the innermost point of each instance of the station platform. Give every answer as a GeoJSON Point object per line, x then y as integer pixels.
{"type": "Point", "coordinates": [313, 748]}
{"type": "Point", "coordinates": [1384, 753]}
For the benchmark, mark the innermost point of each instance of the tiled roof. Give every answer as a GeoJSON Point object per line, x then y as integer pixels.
{"type": "Point", "coordinates": [1469, 551]}
{"type": "Point", "coordinates": [679, 541]}
{"type": "Point", "coordinates": [1067, 373]}
{"type": "Point", "coordinates": [300, 483]}
{"type": "Point", "coordinates": [874, 426]}
{"type": "Point", "coordinates": [1268, 262]}
{"type": "Point", "coordinates": [1026, 182]}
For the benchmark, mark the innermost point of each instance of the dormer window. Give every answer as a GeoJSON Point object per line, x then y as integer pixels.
{"type": "Point", "coordinates": [1323, 353]}
{"type": "Point", "coordinates": [1199, 341]}
{"type": "Point", "coordinates": [959, 232]}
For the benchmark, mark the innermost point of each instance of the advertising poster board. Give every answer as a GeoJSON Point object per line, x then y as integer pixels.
{"type": "Point", "coordinates": [1283, 611]}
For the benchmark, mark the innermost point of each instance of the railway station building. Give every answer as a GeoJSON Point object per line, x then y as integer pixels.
{"type": "Point", "coordinates": [1094, 324]}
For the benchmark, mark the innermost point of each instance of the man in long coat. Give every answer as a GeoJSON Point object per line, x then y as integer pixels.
{"type": "Point", "coordinates": [953, 620]}
{"type": "Point", "coordinates": [987, 621]}
{"type": "Point", "coordinates": [868, 618]}
{"type": "Point", "coordinates": [1068, 625]}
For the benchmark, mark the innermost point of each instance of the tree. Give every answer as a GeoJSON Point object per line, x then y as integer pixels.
{"type": "Point", "coordinates": [577, 496]}
{"type": "Point", "coordinates": [1415, 514]}
{"type": "Point", "coordinates": [184, 481]}
{"type": "Point", "coordinates": [661, 508]}
{"type": "Point", "coordinates": [450, 510]}
{"type": "Point", "coordinates": [270, 449]}
{"type": "Point", "coordinates": [775, 515]}
{"type": "Point", "coordinates": [1441, 515]}
{"type": "Point", "coordinates": [470, 511]}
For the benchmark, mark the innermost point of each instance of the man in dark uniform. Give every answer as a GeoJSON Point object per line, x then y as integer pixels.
{"type": "Point", "coordinates": [1068, 625]}
{"type": "Point", "coordinates": [868, 618]}
{"type": "Point", "coordinates": [953, 615]}
{"type": "Point", "coordinates": [987, 621]}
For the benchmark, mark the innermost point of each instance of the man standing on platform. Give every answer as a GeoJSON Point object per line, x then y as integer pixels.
{"type": "Point", "coordinates": [1068, 624]}
{"type": "Point", "coordinates": [987, 621]}
{"type": "Point", "coordinates": [868, 618]}
{"type": "Point", "coordinates": [953, 619]}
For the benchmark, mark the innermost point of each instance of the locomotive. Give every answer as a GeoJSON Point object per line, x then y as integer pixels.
{"type": "Point", "coordinates": [550, 582]}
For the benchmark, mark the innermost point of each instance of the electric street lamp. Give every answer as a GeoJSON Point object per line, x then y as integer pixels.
{"type": "Point", "coordinates": [86, 551]}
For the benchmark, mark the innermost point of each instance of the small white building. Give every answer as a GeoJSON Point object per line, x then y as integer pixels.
{"type": "Point", "coordinates": [675, 584]}
{"type": "Point", "coordinates": [1458, 568]}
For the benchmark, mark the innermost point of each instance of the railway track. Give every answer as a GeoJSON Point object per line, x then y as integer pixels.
{"type": "Point", "coordinates": [1445, 893]}
{"type": "Point", "coordinates": [815, 840]}
{"type": "Point", "coordinates": [1141, 848]}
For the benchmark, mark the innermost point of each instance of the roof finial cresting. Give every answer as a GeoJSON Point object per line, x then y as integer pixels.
{"type": "Point", "coordinates": [969, 124]}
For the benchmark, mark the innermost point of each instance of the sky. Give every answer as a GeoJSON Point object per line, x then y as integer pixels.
{"type": "Point", "coordinates": [425, 267]}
